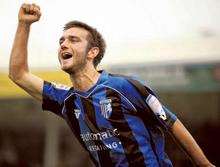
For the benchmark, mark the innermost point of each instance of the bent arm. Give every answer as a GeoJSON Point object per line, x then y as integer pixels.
{"type": "Point", "coordinates": [189, 144]}
{"type": "Point", "coordinates": [18, 66]}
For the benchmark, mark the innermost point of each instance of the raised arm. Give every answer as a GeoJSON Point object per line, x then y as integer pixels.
{"type": "Point", "coordinates": [18, 65]}
{"type": "Point", "coordinates": [189, 145]}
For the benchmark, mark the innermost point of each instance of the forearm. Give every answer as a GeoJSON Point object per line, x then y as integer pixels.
{"type": "Point", "coordinates": [18, 60]}
{"type": "Point", "coordinates": [189, 144]}
{"type": "Point", "coordinates": [18, 65]}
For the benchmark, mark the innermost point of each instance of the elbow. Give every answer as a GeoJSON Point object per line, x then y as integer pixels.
{"type": "Point", "coordinates": [15, 76]}
{"type": "Point", "coordinates": [16, 72]}
{"type": "Point", "coordinates": [11, 75]}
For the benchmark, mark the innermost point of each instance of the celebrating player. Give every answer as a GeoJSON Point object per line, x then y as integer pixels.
{"type": "Point", "coordinates": [118, 120]}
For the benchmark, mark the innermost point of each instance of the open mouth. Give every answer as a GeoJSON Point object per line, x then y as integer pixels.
{"type": "Point", "coordinates": [66, 56]}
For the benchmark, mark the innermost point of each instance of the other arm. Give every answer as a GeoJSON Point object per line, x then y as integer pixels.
{"type": "Point", "coordinates": [189, 144]}
{"type": "Point", "coordinates": [18, 66]}
{"type": "Point", "coordinates": [167, 120]}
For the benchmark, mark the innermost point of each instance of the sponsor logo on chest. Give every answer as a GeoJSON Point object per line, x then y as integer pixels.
{"type": "Point", "coordinates": [106, 107]}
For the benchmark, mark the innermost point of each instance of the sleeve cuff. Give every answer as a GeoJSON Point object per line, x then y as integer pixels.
{"type": "Point", "coordinates": [171, 118]}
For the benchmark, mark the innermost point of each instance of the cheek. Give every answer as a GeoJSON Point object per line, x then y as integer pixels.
{"type": "Point", "coordinates": [59, 59]}
{"type": "Point", "coordinates": [58, 50]}
{"type": "Point", "coordinates": [58, 56]}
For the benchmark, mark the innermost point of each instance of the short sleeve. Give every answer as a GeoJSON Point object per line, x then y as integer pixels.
{"type": "Point", "coordinates": [53, 97]}
{"type": "Point", "coordinates": [163, 114]}
{"type": "Point", "coordinates": [149, 105]}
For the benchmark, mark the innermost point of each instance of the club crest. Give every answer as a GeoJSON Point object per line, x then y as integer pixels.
{"type": "Point", "coordinates": [106, 108]}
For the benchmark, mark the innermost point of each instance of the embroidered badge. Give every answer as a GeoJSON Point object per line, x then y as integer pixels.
{"type": "Point", "coordinates": [106, 107]}
{"type": "Point", "coordinates": [156, 106]}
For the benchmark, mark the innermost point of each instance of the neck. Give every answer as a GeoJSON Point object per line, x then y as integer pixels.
{"type": "Point", "coordinates": [84, 79]}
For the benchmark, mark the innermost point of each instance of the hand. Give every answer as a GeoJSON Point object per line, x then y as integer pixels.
{"type": "Point", "coordinates": [29, 13]}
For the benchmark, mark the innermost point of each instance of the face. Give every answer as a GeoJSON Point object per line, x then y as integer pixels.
{"type": "Point", "coordinates": [72, 53]}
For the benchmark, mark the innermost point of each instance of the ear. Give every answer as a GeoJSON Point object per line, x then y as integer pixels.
{"type": "Point", "coordinates": [93, 52]}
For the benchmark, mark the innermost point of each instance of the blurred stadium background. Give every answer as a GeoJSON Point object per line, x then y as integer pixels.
{"type": "Point", "coordinates": [183, 67]}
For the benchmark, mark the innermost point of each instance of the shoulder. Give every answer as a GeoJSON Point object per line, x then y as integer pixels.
{"type": "Point", "coordinates": [125, 81]}
{"type": "Point", "coordinates": [118, 81]}
{"type": "Point", "coordinates": [54, 90]}
{"type": "Point", "coordinates": [128, 85]}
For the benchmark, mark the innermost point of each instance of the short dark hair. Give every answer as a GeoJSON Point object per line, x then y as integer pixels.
{"type": "Point", "coordinates": [95, 39]}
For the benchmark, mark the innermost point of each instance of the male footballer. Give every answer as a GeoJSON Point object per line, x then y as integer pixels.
{"type": "Point", "coordinates": [117, 119]}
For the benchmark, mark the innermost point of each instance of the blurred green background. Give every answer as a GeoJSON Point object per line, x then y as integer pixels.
{"type": "Point", "coordinates": [29, 137]}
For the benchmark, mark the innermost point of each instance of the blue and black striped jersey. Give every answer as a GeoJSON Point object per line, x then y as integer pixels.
{"type": "Point", "coordinates": [119, 121]}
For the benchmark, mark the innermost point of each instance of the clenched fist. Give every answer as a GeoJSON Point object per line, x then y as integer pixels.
{"type": "Point", "coordinates": [29, 13]}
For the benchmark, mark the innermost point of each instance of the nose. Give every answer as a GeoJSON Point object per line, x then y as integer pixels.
{"type": "Point", "coordinates": [64, 45]}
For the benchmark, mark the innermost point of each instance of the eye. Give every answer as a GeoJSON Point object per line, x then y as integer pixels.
{"type": "Point", "coordinates": [74, 39]}
{"type": "Point", "coordinates": [61, 40]}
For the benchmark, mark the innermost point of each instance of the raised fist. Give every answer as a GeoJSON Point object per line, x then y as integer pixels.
{"type": "Point", "coordinates": [29, 13]}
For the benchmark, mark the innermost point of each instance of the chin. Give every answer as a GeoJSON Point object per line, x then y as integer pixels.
{"type": "Point", "coordinates": [66, 69]}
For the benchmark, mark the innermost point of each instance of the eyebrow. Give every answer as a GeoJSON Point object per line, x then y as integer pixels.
{"type": "Point", "coordinates": [69, 36]}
